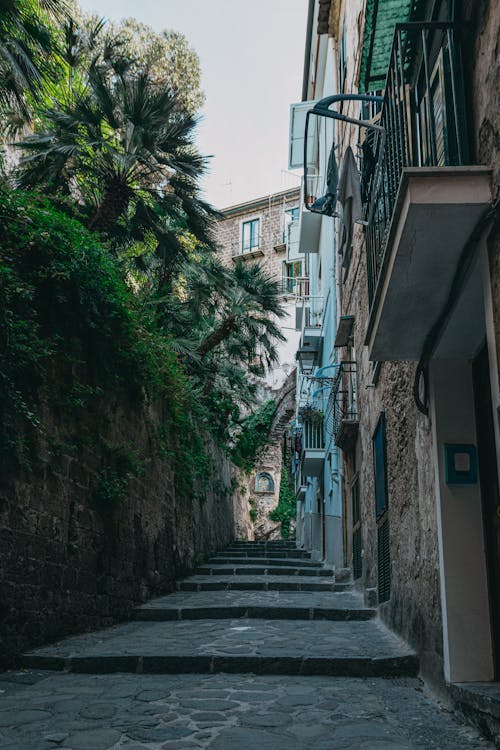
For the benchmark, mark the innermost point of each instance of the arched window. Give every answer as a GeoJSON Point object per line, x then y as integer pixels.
{"type": "Point", "coordinates": [264, 482]}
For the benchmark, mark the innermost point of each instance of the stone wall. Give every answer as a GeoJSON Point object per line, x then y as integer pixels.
{"type": "Point", "coordinates": [252, 509]}
{"type": "Point", "coordinates": [414, 608]}
{"type": "Point", "coordinates": [481, 61]}
{"type": "Point", "coordinates": [70, 561]}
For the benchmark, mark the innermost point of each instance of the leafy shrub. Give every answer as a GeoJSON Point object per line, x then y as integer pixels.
{"type": "Point", "coordinates": [254, 436]}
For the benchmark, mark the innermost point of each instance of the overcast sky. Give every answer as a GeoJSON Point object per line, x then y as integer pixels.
{"type": "Point", "coordinates": [252, 56]}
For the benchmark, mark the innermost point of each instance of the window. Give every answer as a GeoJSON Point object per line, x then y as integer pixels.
{"type": "Point", "coordinates": [380, 467]}
{"type": "Point", "coordinates": [293, 213]}
{"type": "Point", "coordinates": [250, 235]}
{"type": "Point", "coordinates": [290, 272]}
{"type": "Point", "coordinates": [298, 113]}
{"type": "Point", "coordinates": [264, 482]}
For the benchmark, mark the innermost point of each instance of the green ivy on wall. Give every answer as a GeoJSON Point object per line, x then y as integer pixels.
{"type": "Point", "coordinates": [287, 504]}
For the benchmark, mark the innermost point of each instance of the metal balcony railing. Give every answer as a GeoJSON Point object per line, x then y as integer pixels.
{"type": "Point", "coordinates": [312, 435]}
{"type": "Point", "coordinates": [302, 288]}
{"type": "Point", "coordinates": [424, 121]}
{"type": "Point", "coordinates": [342, 407]}
{"type": "Point", "coordinates": [313, 314]}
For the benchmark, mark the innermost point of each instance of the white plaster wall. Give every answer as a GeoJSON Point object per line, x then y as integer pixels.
{"type": "Point", "coordinates": [464, 593]}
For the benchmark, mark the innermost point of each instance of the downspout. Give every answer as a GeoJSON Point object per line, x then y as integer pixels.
{"type": "Point", "coordinates": [307, 54]}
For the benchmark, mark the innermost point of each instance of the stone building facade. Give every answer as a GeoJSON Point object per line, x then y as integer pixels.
{"type": "Point", "coordinates": [412, 396]}
{"type": "Point", "coordinates": [263, 231]}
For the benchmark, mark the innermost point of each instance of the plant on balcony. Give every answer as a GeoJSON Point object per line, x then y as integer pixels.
{"type": "Point", "coordinates": [312, 415]}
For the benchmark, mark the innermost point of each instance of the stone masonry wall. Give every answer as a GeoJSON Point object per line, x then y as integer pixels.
{"type": "Point", "coordinates": [70, 562]}
{"type": "Point", "coordinates": [413, 609]}
{"type": "Point", "coordinates": [270, 211]}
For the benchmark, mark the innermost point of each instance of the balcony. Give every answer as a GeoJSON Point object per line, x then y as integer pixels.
{"type": "Point", "coordinates": [247, 251]}
{"type": "Point", "coordinates": [309, 315]}
{"type": "Point", "coordinates": [313, 447]}
{"type": "Point", "coordinates": [422, 201]}
{"type": "Point", "coordinates": [341, 414]}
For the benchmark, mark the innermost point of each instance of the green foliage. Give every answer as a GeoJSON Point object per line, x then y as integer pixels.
{"type": "Point", "coordinates": [253, 513]}
{"type": "Point", "coordinates": [287, 505]}
{"type": "Point", "coordinates": [254, 436]}
{"type": "Point", "coordinates": [139, 308]}
{"type": "Point", "coordinates": [122, 463]}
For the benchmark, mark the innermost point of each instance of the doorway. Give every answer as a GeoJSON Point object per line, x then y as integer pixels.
{"type": "Point", "coordinates": [490, 496]}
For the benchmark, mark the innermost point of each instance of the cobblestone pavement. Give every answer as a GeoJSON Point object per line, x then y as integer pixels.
{"type": "Point", "coordinates": [47, 711]}
{"type": "Point", "coordinates": [296, 667]}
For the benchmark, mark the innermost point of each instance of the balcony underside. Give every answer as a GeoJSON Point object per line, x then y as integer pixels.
{"type": "Point", "coordinates": [300, 493]}
{"type": "Point", "coordinates": [347, 434]}
{"type": "Point", "coordinates": [313, 460]}
{"type": "Point", "coordinates": [311, 338]}
{"type": "Point", "coordinates": [436, 211]}
{"type": "Point", "coordinates": [310, 228]}
{"type": "Point", "coordinates": [257, 253]}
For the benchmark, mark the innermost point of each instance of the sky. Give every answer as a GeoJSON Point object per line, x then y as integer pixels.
{"type": "Point", "coordinates": [252, 56]}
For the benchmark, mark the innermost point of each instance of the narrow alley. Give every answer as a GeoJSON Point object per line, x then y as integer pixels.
{"type": "Point", "coordinates": [260, 648]}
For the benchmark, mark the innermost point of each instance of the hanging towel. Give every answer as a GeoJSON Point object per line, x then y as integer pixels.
{"type": "Point", "coordinates": [326, 204]}
{"type": "Point", "coordinates": [349, 195]}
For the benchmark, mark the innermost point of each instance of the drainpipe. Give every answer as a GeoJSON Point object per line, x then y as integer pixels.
{"type": "Point", "coordinates": [307, 54]}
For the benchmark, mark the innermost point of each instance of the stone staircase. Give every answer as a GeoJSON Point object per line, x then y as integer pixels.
{"type": "Point", "coordinates": [256, 607]}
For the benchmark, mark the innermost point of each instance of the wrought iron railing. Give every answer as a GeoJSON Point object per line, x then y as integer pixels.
{"type": "Point", "coordinates": [312, 434]}
{"type": "Point", "coordinates": [342, 402]}
{"type": "Point", "coordinates": [287, 285]}
{"type": "Point", "coordinates": [313, 313]}
{"type": "Point", "coordinates": [424, 122]}
{"type": "Point", "coordinates": [302, 288]}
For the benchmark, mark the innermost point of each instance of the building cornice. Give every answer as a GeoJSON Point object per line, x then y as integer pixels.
{"type": "Point", "coordinates": [258, 204]}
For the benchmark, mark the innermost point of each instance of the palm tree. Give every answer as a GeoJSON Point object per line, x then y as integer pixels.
{"type": "Point", "coordinates": [225, 325]}
{"type": "Point", "coordinates": [124, 149]}
{"type": "Point", "coordinates": [26, 43]}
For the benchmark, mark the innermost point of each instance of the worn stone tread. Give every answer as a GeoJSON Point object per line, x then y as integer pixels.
{"type": "Point", "coordinates": [265, 561]}
{"type": "Point", "coordinates": [260, 583]}
{"type": "Point", "coordinates": [252, 570]}
{"type": "Point", "coordinates": [261, 604]}
{"type": "Point", "coordinates": [364, 648]}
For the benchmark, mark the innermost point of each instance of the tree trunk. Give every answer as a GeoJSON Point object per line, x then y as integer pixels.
{"type": "Point", "coordinates": [220, 334]}
{"type": "Point", "coordinates": [113, 205]}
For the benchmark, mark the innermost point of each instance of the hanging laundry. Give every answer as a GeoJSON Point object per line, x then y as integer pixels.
{"type": "Point", "coordinates": [349, 195]}
{"type": "Point", "coordinates": [326, 204]}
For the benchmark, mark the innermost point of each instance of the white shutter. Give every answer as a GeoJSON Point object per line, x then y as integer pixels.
{"type": "Point", "coordinates": [297, 133]}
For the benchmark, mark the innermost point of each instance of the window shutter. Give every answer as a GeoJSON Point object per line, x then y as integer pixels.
{"type": "Point", "coordinates": [297, 133]}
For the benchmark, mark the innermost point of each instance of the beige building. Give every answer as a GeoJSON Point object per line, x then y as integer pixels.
{"type": "Point", "coordinates": [264, 231]}
{"type": "Point", "coordinates": [412, 395]}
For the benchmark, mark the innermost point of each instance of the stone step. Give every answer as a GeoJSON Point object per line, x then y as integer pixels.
{"type": "Point", "coordinates": [252, 570]}
{"type": "Point", "coordinates": [263, 545]}
{"type": "Point", "coordinates": [297, 554]}
{"type": "Point", "coordinates": [267, 605]}
{"type": "Point", "coordinates": [264, 561]}
{"type": "Point", "coordinates": [355, 649]}
{"type": "Point", "coordinates": [261, 583]}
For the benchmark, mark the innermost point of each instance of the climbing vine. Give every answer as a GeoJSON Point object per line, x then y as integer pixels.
{"type": "Point", "coordinates": [254, 436]}
{"type": "Point", "coordinates": [286, 508]}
